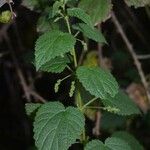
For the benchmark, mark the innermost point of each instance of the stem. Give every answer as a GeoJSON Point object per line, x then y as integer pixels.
{"type": "Point", "coordinates": [91, 101]}
{"type": "Point", "coordinates": [73, 51]}
{"type": "Point", "coordinates": [66, 77]}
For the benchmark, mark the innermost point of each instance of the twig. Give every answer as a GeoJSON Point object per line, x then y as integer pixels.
{"type": "Point", "coordinates": [27, 90]}
{"type": "Point", "coordinates": [143, 56]}
{"type": "Point", "coordinates": [133, 54]}
{"type": "Point", "coordinates": [96, 129]}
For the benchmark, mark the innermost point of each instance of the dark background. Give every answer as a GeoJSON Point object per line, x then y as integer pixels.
{"type": "Point", "coordinates": [17, 41]}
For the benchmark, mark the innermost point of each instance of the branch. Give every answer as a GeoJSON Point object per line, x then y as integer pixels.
{"type": "Point", "coordinates": [133, 54]}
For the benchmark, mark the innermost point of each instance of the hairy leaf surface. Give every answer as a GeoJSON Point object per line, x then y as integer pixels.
{"type": "Point", "coordinates": [56, 128]}
{"type": "Point", "coordinates": [56, 65]}
{"type": "Point", "coordinates": [80, 14]}
{"type": "Point", "coordinates": [97, 81]}
{"type": "Point", "coordinates": [99, 10]}
{"type": "Point", "coordinates": [52, 44]}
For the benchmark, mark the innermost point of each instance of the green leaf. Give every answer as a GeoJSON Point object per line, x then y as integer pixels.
{"type": "Point", "coordinates": [52, 44]}
{"type": "Point", "coordinates": [135, 145]}
{"type": "Point", "coordinates": [137, 3]}
{"type": "Point", "coordinates": [111, 122]}
{"type": "Point", "coordinates": [99, 10]}
{"type": "Point", "coordinates": [56, 65]}
{"type": "Point", "coordinates": [31, 107]}
{"type": "Point", "coordinates": [95, 145]}
{"type": "Point", "coordinates": [91, 33]}
{"type": "Point", "coordinates": [56, 7]}
{"type": "Point", "coordinates": [56, 128]}
{"type": "Point", "coordinates": [80, 14]}
{"type": "Point", "coordinates": [122, 102]}
{"type": "Point", "coordinates": [117, 144]}
{"type": "Point", "coordinates": [97, 81]}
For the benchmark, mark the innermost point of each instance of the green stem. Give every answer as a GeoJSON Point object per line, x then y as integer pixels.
{"type": "Point", "coordinates": [73, 51]}
{"type": "Point", "coordinates": [91, 101]}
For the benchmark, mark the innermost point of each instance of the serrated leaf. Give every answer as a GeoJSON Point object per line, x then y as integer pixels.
{"type": "Point", "coordinates": [52, 44]}
{"type": "Point", "coordinates": [56, 127]}
{"type": "Point", "coordinates": [99, 10]}
{"type": "Point", "coordinates": [135, 145]}
{"type": "Point", "coordinates": [95, 145]}
{"type": "Point", "coordinates": [91, 33]}
{"type": "Point", "coordinates": [138, 3]}
{"type": "Point", "coordinates": [5, 16]}
{"type": "Point", "coordinates": [117, 144]}
{"type": "Point", "coordinates": [56, 65]}
{"type": "Point", "coordinates": [31, 107]}
{"type": "Point", "coordinates": [97, 81]}
{"type": "Point", "coordinates": [80, 14]}
{"type": "Point", "coordinates": [122, 102]}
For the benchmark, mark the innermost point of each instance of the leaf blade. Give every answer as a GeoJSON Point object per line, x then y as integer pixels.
{"type": "Point", "coordinates": [97, 81]}
{"type": "Point", "coordinates": [122, 102]}
{"type": "Point", "coordinates": [56, 127]}
{"type": "Point", "coordinates": [52, 44]}
{"type": "Point", "coordinates": [91, 33]}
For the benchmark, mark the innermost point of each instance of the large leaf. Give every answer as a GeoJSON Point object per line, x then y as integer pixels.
{"type": "Point", "coordinates": [123, 103]}
{"type": "Point", "coordinates": [56, 128]}
{"type": "Point", "coordinates": [99, 10]}
{"type": "Point", "coordinates": [91, 33]}
{"type": "Point", "coordinates": [135, 145]}
{"type": "Point", "coordinates": [97, 81]}
{"type": "Point", "coordinates": [55, 65]}
{"type": "Point", "coordinates": [31, 107]}
{"type": "Point", "coordinates": [52, 44]}
{"type": "Point", "coordinates": [80, 14]}
{"type": "Point", "coordinates": [117, 144]}
{"type": "Point", "coordinates": [138, 3]}
{"type": "Point", "coordinates": [96, 145]}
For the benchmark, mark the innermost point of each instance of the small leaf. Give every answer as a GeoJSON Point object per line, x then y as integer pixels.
{"type": "Point", "coordinates": [117, 144]}
{"type": "Point", "coordinates": [80, 14]}
{"type": "Point", "coordinates": [123, 103]}
{"type": "Point", "coordinates": [97, 81]}
{"type": "Point", "coordinates": [57, 128]}
{"type": "Point", "coordinates": [135, 145]}
{"type": "Point", "coordinates": [56, 65]}
{"type": "Point", "coordinates": [91, 33]}
{"type": "Point", "coordinates": [52, 44]}
{"type": "Point", "coordinates": [56, 7]}
{"type": "Point", "coordinates": [99, 10]}
{"type": "Point", "coordinates": [31, 107]}
{"type": "Point", "coordinates": [137, 3]}
{"type": "Point", "coordinates": [95, 145]}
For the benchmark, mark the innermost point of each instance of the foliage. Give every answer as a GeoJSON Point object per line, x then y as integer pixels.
{"type": "Point", "coordinates": [57, 127]}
